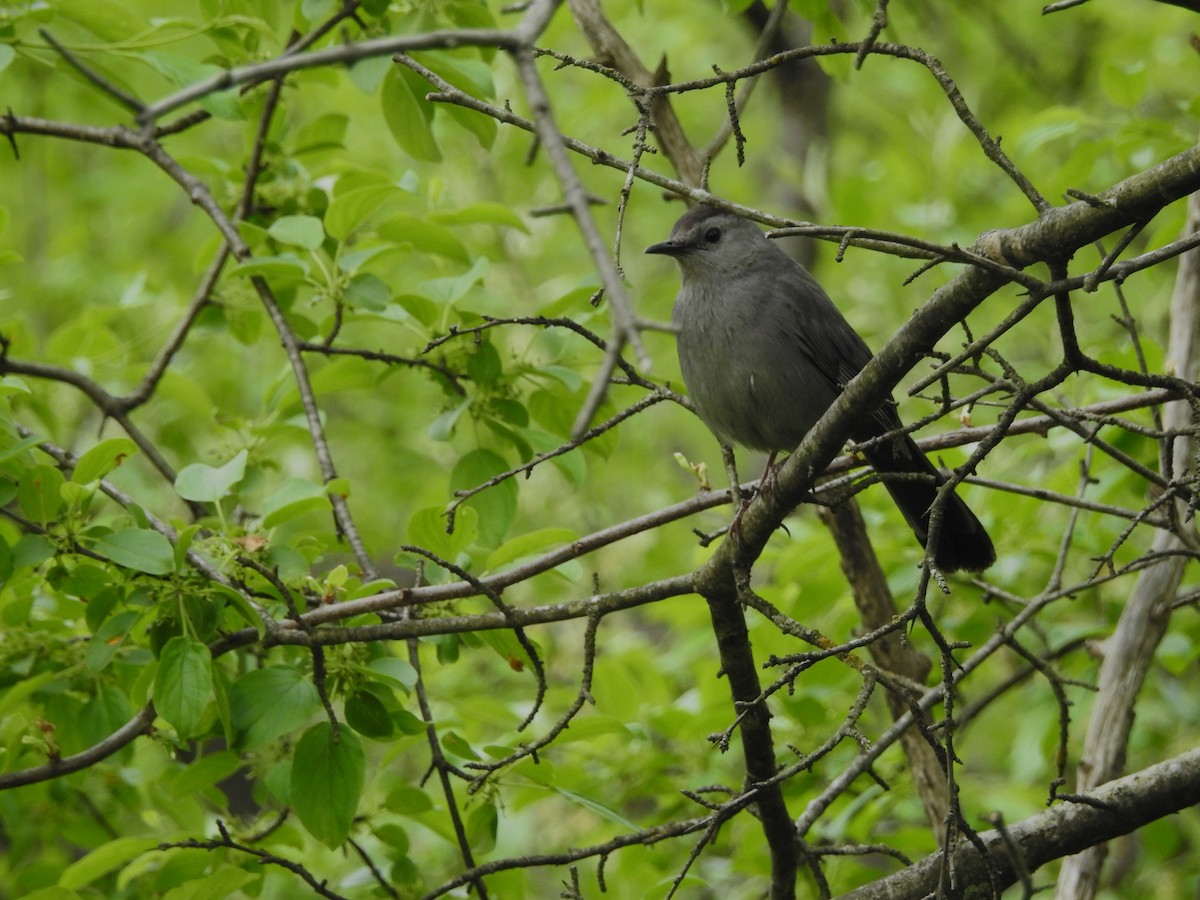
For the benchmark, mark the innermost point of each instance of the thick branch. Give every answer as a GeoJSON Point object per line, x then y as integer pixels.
{"type": "Point", "coordinates": [1117, 808]}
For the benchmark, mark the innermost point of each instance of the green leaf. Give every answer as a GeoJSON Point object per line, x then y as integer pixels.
{"type": "Point", "coordinates": [106, 19]}
{"type": "Point", "coordinates": [482, 824]}
{"type": "Point", "coordinates": [407, 800]}
{"type": "Point", "coordinates": [298, 231]}
{"type": "Point", "coordinates": [367, 291]}
{"type": "Point", "coordinates": [183, 71]}
{"type": "Point", "coordinates": [484, 366]}
{"type": "Point", "coordinates": [470, 75]}
{"type": "Point", "coordinates": [140, 549]}
{"type": "Point", "coordinates": [529, 544]}
{"type": "Point", "coordinates": [573, 465]}
{"type": "Point", "coordinates": [408, 114]}
{"type": "Point", "coordinates": [422, 309]}
{"type": "Point", "coordinates": [103, 714]}
{"type": "Point", "coordinates": [395, 670]}
{"type": "Point", "coordinates": [31, 550]}
{"type": "Point", "coordinates": [183, 685]}
{"type": "Point", "coordinates": [597, 807]}
{"type": "Point", "coordinates": [109, 637]}
{"type": "Point", "coordinates": [104, 859]}
{"type": "Point", "coordinates": [102, 459]}
{"type": "Point", "coordinates": [442, 428]}
{"type": "Point", "coordinates": [508, 648]}
{"type": "Point", "coordinates": [350, 210]}
{"type": "Point", "coordinates": [481, 125]}
{"type": "Point", "coordinates": [18, 447]}
{"type": "Point", "coordinates": [278, 268]}
{"type": "Point", "coordinates": [294, 498]}
{"type": "Point", "coordinates": [54, 892]}
{"type": "Point", "coordinates": [312, 10]}
{"type": "Point", "coordinates": [327, 132]}
{"type": "Point", "coordinates": [220, 884]}
{"type": "Point", "coordinates": [203, 773]}
{"type": "Point", "coordinates": [497, 505]}
{"type": "Point", "coordinates": [486, 213]}
{"type": "Point", "coordinates": [267, 703]}
{"type": "Point", "coordinates": [208, 484]}
{"type": "Point", "coordinates": [327, 778]}
{"type": "Point", "coordinates": [454, 288]}
{"type": "Point", "coordinates": [40, 493]}
{"type": "Point", "coordinates": [458, 745]}
{"type": "Point", "coordinates": [242, 605]}
{"type": "Point", "coordinates": [427, 529]}
{"type": "Point", "coordinates": [367, 715]}
{"type": "Point", "coordinates": [424, 235]}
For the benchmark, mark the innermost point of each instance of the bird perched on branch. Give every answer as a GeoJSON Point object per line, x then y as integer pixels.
{"type": "Point", "coordinates": [764, 354]}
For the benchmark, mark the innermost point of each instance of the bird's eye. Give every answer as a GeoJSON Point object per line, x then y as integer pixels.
{"type": "Point", "coordinates": [712, 235]}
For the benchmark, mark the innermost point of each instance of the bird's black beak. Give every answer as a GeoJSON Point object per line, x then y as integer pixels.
{"type": "Point", "coordinates": [668, 248]}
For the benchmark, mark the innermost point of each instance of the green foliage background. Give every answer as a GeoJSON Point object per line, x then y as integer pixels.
{"type": "Point", "coordinates": [394, 221]}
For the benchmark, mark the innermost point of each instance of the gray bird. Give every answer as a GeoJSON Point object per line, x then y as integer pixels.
{"type": "Point", "coordinates": [764, 353]}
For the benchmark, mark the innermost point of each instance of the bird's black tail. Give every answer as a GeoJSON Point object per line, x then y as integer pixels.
{"type": "Point", "coordinates": [963, 543]}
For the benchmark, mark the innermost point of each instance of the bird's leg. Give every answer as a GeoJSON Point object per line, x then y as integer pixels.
{"type": "Point", "coordinates": [766, 485]}
{"type": "Point", "coordinates": [770, 476]}
{"type": "Point", "coordinates": [740, 500]}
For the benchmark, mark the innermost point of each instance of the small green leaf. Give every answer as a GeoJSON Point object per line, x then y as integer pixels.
{"type": "Point", "coordinates": [327, 132]}
{"type": "Point", "coordinates": [31, 550]}
{"type": "Point", "coordinates": [40, 493]}
{"type": "Point", "coordinates": [407, 800]}
{"type": "Point", "coordinates": [367, 715]}
{"type": "Point", "coordinates": [597, 807]}
{"type": "Point", "coordinates": [484, 366]}
{"type": "Point", "coordinates": [395, 670]}
{"type": "Point", "coordinates": [242, 605]}
{"type": "Point", "coordinates": [108, 20]}
{"type": "Point", "coordinates": [54, 892]}
{"type": "Point", "coordinates": [424, 235]}
{"type": "Point", "coordinates": [427, 529]}
{"type": "Point", "coordinates": [327, 778]}
{"type": "Point", "coordinates": [294, 498]}
{"type": "Point", "coordinates": [481, 827]}
{"type": "Point", "coordinates": [183, 543]}
{"type": "Point", "coordinates": [183, 71]}
{"type": "Point", "coordinates": [102, 459]}
{"type": "Point", "coordinates": [454, 288]}
{"type": "Point", "coordinates": [208, 484]}
{"type": "Point", "coordinates": [313, 10]}
{"type": "Point", "coordinates": [298, 231]}
{"type": "Point", "coordinates": [203, 773]}
{"type": "Point", "coordinates": [140, 549]}
{"type": "Point", "coordinates": [350, 210]}
{"type": "Point", "coordinates": [488, 213]}
{"type": "Point", "coordinates": [422, 309]}
{"type": "Point", "coordinates": [283, 266]}
{"type": "Point", "coordinates": [215, 886]}
{"type": "Point", "coordinates": [183, 685]}
{"type": "Point", "coordinates": [442, 428]}
{"type": "Point", "coordinates": [496, 505]}
{"type": "Point", "coordinates": [408, 114]}
{"type": "Point", "coordinates": [103, 714]}
{"type": "Point", "coordinates": [104, 859]}
{"type": "Point", "coordinates": [267, 703]}
{"type": "Point", "coordinates": [458, 745]}
{"type": "Point", "coordinates": [18, 447]}
{"type": "Point", "coordinates": [528, 544]}
{"type": "Point", "coordinates": [508, 648]}
{"type": "Point", "coordinates": [367, 291]}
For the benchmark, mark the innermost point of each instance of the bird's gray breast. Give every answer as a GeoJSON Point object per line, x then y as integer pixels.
{"type": "Point", "coordinates": [745, 359]}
